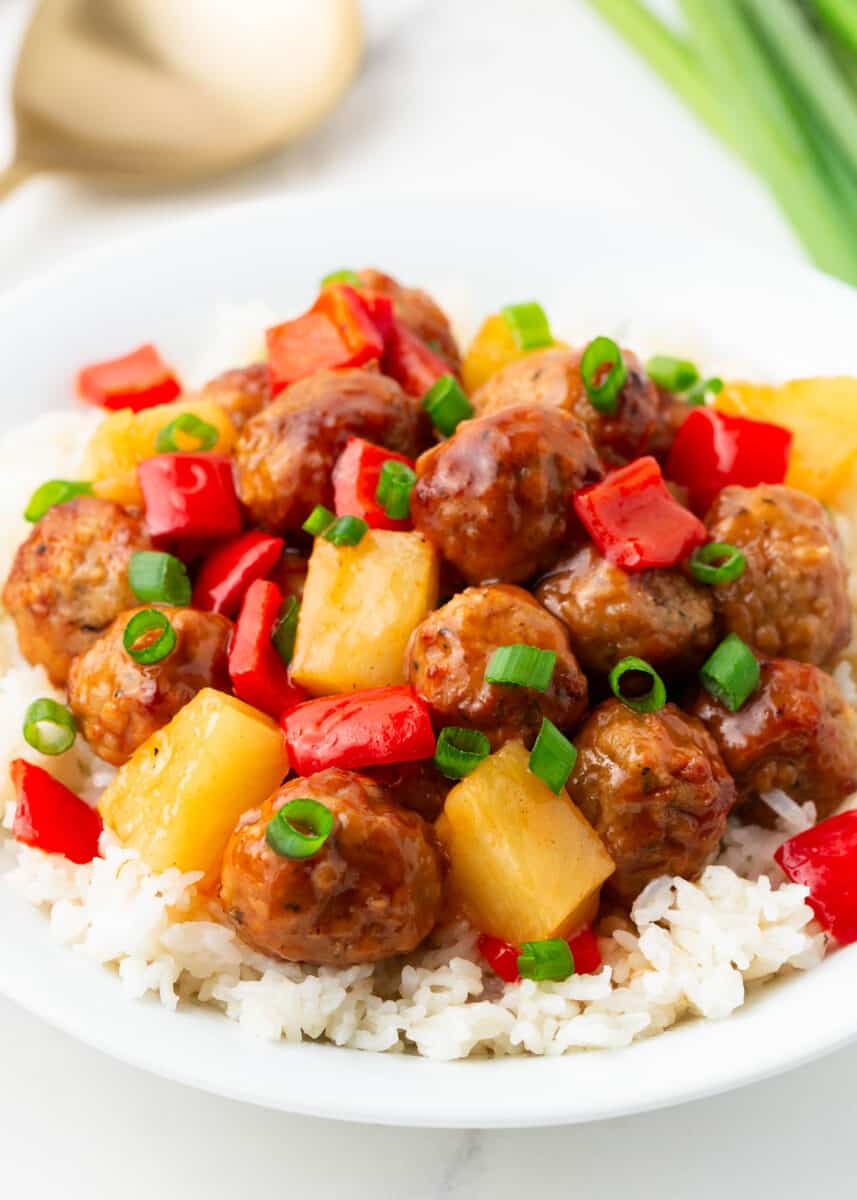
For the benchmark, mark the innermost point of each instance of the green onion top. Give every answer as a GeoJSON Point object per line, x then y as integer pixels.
{"type": "Point", "coordinates": [300, 828]}
{"type": "Point", "coordinates": [717, 562]}
{"type": "Point", "coordinates": [672, 374]}
{"type": "Point", "coordinates": [394, 489]}
{"type": "Point", "coordinates": [700, 392]}
{"type": "Point", "coordinates": [552, 757]}
{"type": "Point", "coordinates": [650, 701]}
{"type": "Point", "coordinates": [318, 521]}
{"type": "Point", "coordinates": [732, 673]}
{"type": "Point", "coordinates": [346, 531]}
{"type": "Point", "coordinates": [151, 651]}
{"type": "Point", "coordinates": [159, 578]}
{"type": "Point", "coordinates": [529, 325]}
{"type": "Point", "coordinates": [522, 665]}
{"type": "Point", "coordinates": [550, 959]}
{"type": "Point", "coordinates": [286, 629]}
{"type": "Point", "coordinates": [460, 751]}
{"type": "Point", "coordinates": [192, 426]}
{"type": "Point", "coordinates": [345, 275]}
{"type": "Point", "coordinates": [447, 405]}
{"type": "Point", "coordinates": [49, 726]}
{"type": "Point", "coordinates": [55, 491]}
{"type": "Point", "coordinates": [604, 374]}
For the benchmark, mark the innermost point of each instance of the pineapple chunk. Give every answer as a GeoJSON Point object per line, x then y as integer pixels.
{"type": "Point", "coordinates": [360, 606]}
{"type": "Point", "coordinates": [126, 438]}
{"type": "Point", "coordinates": [525, 863]}
{"type": "Point", "coordinates": [179, 796]}
{"type": "Point", "coordinates": [493, 348]}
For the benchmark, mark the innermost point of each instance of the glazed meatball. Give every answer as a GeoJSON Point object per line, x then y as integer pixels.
{"type": "Point", "coordinates": [241, 393]}
{"type": "Point", "coordinates": [658, 615]}
{"type": "Point", "coordinates": [796, 733]}
{"type": "Point", "coordinates": [286, 453]}
{"type": "Point", "coordinates": [671, 415]}
{"type": "Point", "coordinates": [119, 702]}
{"type": "Point", "coordinates": [792, 599]}
{"type": "Point", "coordinates": [416, 785]}
{"type": "Point", "coordinates": [654, 786]}
{"type": "Point", "coordinates": [416, 309]}
{"type": "Point", "coordinates": [449, 652]}
{"type": "Point", "coordinates": [374, 889]}
{"type": "Point", "coordinates": [496, 499]}
{"type": "Point", "coordinates": [70, 579]}
{"type": "Point", "coordinates": [552, 379]}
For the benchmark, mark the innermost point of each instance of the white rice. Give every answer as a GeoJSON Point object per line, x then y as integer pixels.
{"type": "Point", "coordinates": [691, 949]}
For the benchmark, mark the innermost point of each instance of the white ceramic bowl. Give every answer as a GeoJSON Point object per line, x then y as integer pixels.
{"type": "Point", "coordinates": [655, 290]}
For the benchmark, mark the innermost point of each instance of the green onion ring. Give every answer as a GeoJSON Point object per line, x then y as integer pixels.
{"type": "Point", "coordinates": [49, 726]}
{"type": "Point", "coordinates": [285, 835]}
{"type": "Point", "coordinates": [447, 405]}
{"type": "Point", "coordinates": [732, 673]}
{"type": "Point", "coordinates": [717, 562]}
{"type": "Point", "coordinates": [529, 325]}
{"type": "Point", "coordinates": [650, 701]}
{"type": "Point", "coordinates": [672, 374]}
{"type": "Point", "coordinates": [190, 425]}
{"type": "Point", "coordinates": [552, 757]}
{"type": "Point", "coordinates": [159, 578]}
{"type": "Point", "coordinates": [550, 959]}
{"type": "Point", "coordinates": [394, 489]}
{"type": "Point", "coordinates": [603, 389]}
{"type": "Point", "coordinates": [521, 665]}
{"type": "Point", "coordinates": [345, 275]}
{"type": "Point", "coordinates": [319, 520]}
{"type": "Point", "coordinates": [460, 751]}
{"type": "Point", "coordinates": [55, 491]}
{"type": "Point", "coordinates": [145, 622]}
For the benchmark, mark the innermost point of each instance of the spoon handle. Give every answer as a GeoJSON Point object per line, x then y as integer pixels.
{"type": "Point", "coordinates": [14, 175]}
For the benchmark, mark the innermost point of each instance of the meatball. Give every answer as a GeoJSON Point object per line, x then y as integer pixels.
{"type": "Point", "coordinates": [119, 702]}
{"type": "Point", "coordinates": [416, 309]}
{"type": "Point", "coordinates": [658, 615]}
{"type": "Point", "coordinates": [792, 599]}
{"type": "Point", "coordinates": [374, 889]}
{"type": "Point", "coordinates": [449, 652]}
{"type": "Point", "coordinates": [70, 579]}
{"type": "Point", "coordinates": [416, 785]}
{"type": "Point", "coordinates": [654, 786]}
{"type": "Point", "coordinates": [552, 379]}
{"type": "Point", "coordinates": [286, 453]}
{"type": "Point", "coordinates": [496, 499]}
{"type": "Point", "coordinates": [796, 733]}
{"type": "Point", "coordinates": [241, 392]}
{"type": "Point", "coordinates": [671, 415]}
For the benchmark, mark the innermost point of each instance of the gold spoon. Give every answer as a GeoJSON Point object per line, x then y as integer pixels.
{"type": "Point", "coordinates": [139, 91]}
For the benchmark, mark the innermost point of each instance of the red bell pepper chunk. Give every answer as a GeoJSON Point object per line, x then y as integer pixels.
{"type": "Point", "coordinates": [51, 817]}
{"type": "Point", "coordinates": [228, 571]}
{"type": "Point", "coordinates": [502, 957]}
{"type": "Point", "coordinates": [349, 313]}
{"type": "Point", "coordinates": [634, 521]}
{"type": "Point", "coordinates": [189, 496]}
{"type": "Point", "coordinates": [258, 673]}
{"type": "Point", "coordinates": [355, 482]}
{"type": "Point", "coordinates": [137, 380]}
{"type": "Point", "coordinates": [360, 729]}
{"type": "Point", "coordinates": [413, 364]}
{"type": "Point", "coordinates": [380, 309]}
{"type": "Point", "coordinates": [585, 952]}
{"type": "Point", "coordinates": [712, 450]}
{"type": "Point", "coordinates": [824, 859]}
{"type": "Point", "coordinates": [336, 332]}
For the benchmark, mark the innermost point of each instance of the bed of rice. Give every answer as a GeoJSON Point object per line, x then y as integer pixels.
{"type": "Point", "coordinates": [692, 950]}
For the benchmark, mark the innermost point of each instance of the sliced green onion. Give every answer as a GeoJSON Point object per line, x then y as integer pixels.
{"type": "Point", "coordinates": [700, 392]}
{"type": "Point", "coordinates": [732, 673]}
{"type": "Point", "coordinates": [553, 757]}
{"type": "Point", "coordinates": [346, 531]}
{"type": "Point", "coordinates": [604, 373]}
{"type": "Point", "coordinates": [319, 520]}
{"type": "Point", "coordinates": [145, 622]}
{"type": "Point", "coordinates": [55, 491]}
{"type": "Point", "coordinates": [650, 701]}
{"type": "Point", "coordinates": [159, 578]}
{"type": "Point", "coordinates": [345, 275]}
{"type": "Point", "coordinates": [286, 628]}
{"type": "Point", "coordinates": [529, 325]}
{"type": "Point", "coordinates": [460, 751]}
{"type": "Point", "coordinates": [300, 828]}
{"type": "Point", "coordinates": [549, 959]}
{"type": "Point", "coordinates": [521, 665]}
{"type": "Point", "coordinates": [672, 374]}
{"type": "Point", "coordinates": [49, 727]}
{"type": "Point", "coordinates": [717, 562]}
{"type": "Point", "coordinates": [447, 405]}
{"type": "Point", "coordinates": [191, 426]}
{"type": "Point", "coordinates": [394, 489]}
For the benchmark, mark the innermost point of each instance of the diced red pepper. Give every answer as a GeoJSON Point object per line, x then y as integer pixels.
{"type": "Point", "coordinates": [336, 332]}
{"type": "Point", "coordinates": [824, 859]}
{"type": "Point", "coordinates": [360, 729]}
{"type": "Point", "coordinates": [585, 952]}
{"type": "Point", "coordinates": [412, 363]}
{"type": "Point", "coordinates": [347, 310]}
{"type": "Point", "coordinates": [634, 521]}
{"type": "Point", "coordinates": [137, 380]}
{"type": "Point", "coordinates": [712, 450]}
{"type": "Point", "coordinates": [189, 497]}
{"type": "Point", "coordinates": [258, 673]}
{"type": "Point", "coordinates": [380, 309]}
{"type": "Point", "coordinates": [502, 957]}
{"type": "Point", "coordinates": [228, 571]}
{"type": "Point", "coordinates": [51, 817]}
{"type": "Point", "coordinates": [355, 482]}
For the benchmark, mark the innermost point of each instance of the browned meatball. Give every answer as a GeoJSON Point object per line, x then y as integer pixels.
{"type": "Point", "coordinates": [671, 415]}
{"type": "Point", "coordinates": [654, 786]}
{"type": "Point", "coordinates": [795, 733]}
{"type": "Point", "coordinates": [552, 379]}
{"type": "Point", "coordinates": [496, 499]}
{"type": "Point", "coordinates": [415, 785]}
{"type": "Point", "coordinates": [119, 703]}
{"type": "Point", "coordinates": [658, 615]}
{"type": "Point", "coordinates": [449, 652]}
{"type": "Point", "coordinates": [374, 889]}
{"type": "Point", "coordinates": [69, 580]}
{"type": "Point", "coordinates": [241, 392]}
{"type": "Point", "coordinates": [419, 311]}
{"type": "Point", "coordinates": [792, 600]}
{"type": "Point", "coordinates": [286, 453]}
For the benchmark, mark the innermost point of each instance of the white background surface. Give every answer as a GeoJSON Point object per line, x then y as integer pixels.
{"type": "Point", "coordinates": [511, 99]}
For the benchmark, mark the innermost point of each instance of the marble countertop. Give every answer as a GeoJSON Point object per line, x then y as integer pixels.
{"type": "Point", "coordinates": [492, 97]}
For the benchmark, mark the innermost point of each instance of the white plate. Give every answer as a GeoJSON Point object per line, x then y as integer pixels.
{"type": "Point", "coordinates": [739, 314]}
